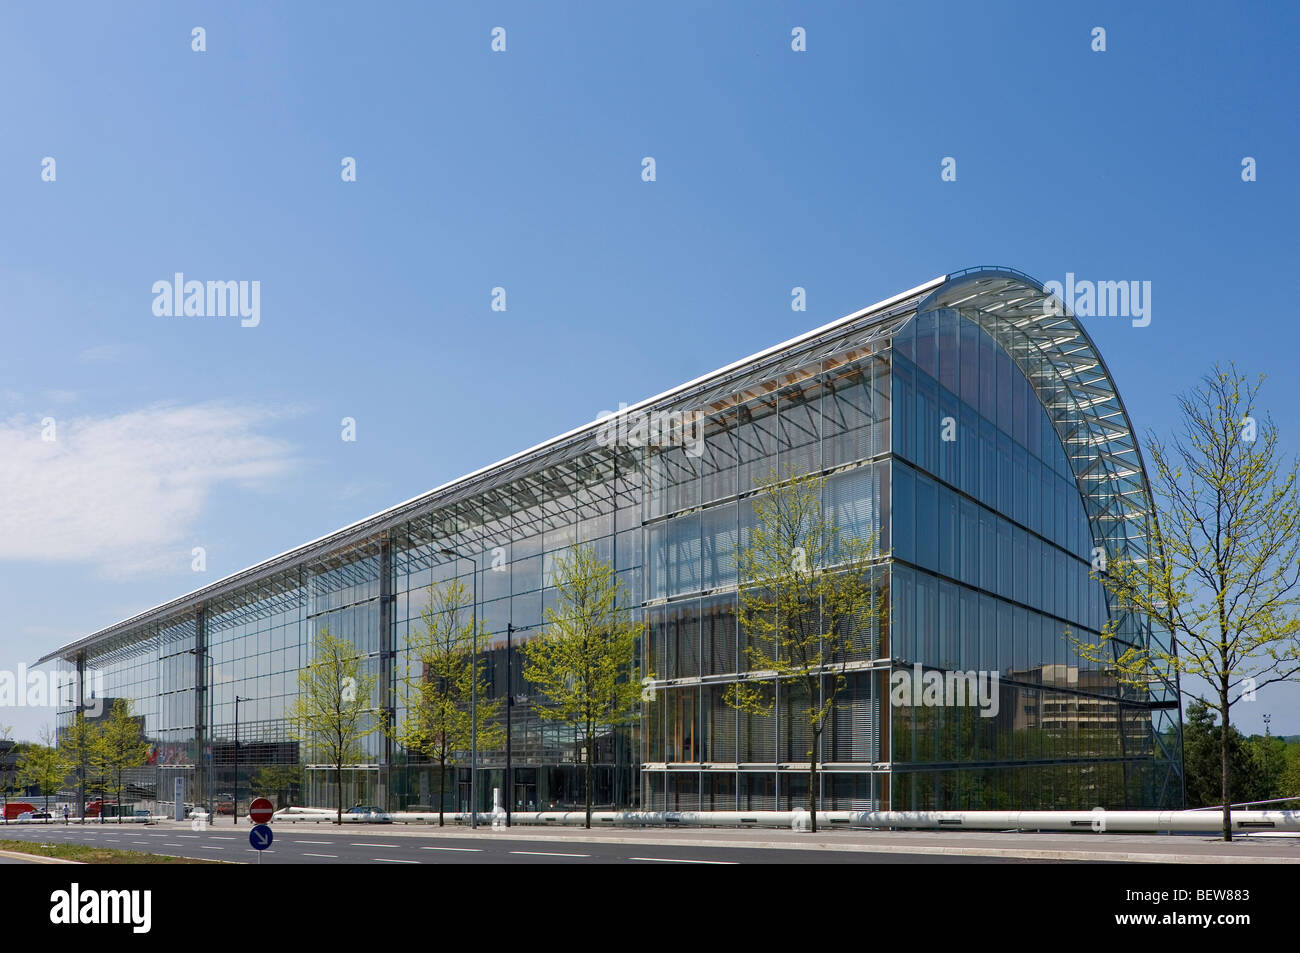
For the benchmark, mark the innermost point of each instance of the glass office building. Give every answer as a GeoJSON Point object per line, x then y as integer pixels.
{"type": "Point", "coordinates": [966, 427]}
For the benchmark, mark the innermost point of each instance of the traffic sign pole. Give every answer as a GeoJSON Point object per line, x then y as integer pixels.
{"type": "Point", "coordinates": [260, 837]}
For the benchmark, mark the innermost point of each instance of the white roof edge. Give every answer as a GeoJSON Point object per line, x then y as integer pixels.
{"type": "Point", "coordinates": [856, 315]}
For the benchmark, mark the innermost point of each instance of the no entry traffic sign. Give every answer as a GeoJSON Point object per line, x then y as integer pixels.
{"type": "Point", "coordinates": [260, 810]}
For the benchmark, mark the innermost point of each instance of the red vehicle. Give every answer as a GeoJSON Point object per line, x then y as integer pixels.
{"type": "Point", "coordinates": [14, 808]}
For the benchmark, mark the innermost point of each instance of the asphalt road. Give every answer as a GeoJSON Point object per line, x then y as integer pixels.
{"type": "Point", "coordinates": [368, 845]}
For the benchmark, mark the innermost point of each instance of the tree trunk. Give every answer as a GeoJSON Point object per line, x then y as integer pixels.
{"type": "Point", "coordinates": [1223, 756]}
{"type": "Point", "coordinates": [442, 786]}
{"type": "Point", "coordinates": [338, 786]}
{"type": "Point", "coordinates": [812, 779]}
{"type": "Point", "coordinates": [591, 748]}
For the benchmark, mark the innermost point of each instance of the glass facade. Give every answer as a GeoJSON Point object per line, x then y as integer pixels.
{"type": "Point", "coordinates": [964, 452]}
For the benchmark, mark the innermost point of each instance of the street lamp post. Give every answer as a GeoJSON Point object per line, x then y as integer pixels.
{"type": "Point", "coordinates": [473, 704]}
{"type": "Point", "coordinates": [511, 629]}
{"type": "Point", "coordinates": [235, 798]}
{"type": "Point", "coordinates": [510, 702]}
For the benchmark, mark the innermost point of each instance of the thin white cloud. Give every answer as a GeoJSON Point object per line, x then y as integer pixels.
{"type": "Point", "coordinates": [100, 354]}
{"type": "Point", "coordinates": [350, 491]}
{"type": "Point", "coordinates": [124, 492]}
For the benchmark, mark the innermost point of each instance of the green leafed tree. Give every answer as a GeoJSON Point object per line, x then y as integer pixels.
{"type": "Point", "coordinates": [333, 713]}
{"type": "Point", "coordinates": [7, 774]}
{"type": "Point", "coordinates": [43, 767]}
{"type": "Point", "coordinates": [807, 604]}
{"type": "Point", "coordinates": [79, 744]}
{"type": "Point", "coordinates": [277, 781]}
{"type": "Point", "coordinates": [1269, 755]}
{"type": "Point", "coordinates": [437, 686]}
{"type": "Point", "coordinates": [121, 747]}
{"type": "Point", "coordinates": [1202, 742]}
{"type": "Point", "coordinates": [1289, 782]}
{"type": "Point", "coordinates": [583, 663]}
{"type": "Point", "coordinates": [1224, 572]}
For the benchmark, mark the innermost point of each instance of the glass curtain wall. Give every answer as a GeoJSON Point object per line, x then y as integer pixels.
{"type": "Point", "coordinates": [832, 416]}
{"type": "Point", "coordinates": [992, 559]}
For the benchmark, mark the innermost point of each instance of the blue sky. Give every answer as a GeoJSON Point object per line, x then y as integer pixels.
{"type": "Point", "coordinates": [522, 169]}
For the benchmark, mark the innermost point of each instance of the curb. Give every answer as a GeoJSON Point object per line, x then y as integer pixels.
{"type": "Point", "coordinates": [36, 858]}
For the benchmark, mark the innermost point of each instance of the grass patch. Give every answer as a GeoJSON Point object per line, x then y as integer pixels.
{"type": "Point", "coordinates": [87, 854]}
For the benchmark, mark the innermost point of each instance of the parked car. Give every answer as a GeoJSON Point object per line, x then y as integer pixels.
{"type": "Point", "coordinates": [370, 814]}
{"type": "Point", "coordinates": [14, 808]}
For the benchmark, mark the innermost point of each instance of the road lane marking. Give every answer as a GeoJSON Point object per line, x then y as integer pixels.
{"type": "Point", "coordinates": [385, 846]}
{"type": "Point", "coordinates": [312, 842]}
{"type": "Point", "coordinates": [305, 854]}
{"type": "Point", "coordinates": [392, 860]}
{"type": "Point", "coordinates": [684, 860]}
{"type": "Point", "coordinates": [207, 847]}
{"type": "Point", "coordinates": [547, 853]}
{"type": "Point", "coordinates": [471, 850]}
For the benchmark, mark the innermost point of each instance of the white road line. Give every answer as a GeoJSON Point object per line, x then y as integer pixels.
{"type": "Point", "coordinates": [546, 853]}
{"type": "Point", "coordinates": [189, 836]}
{"type": "Point", "coordinates": [470, 850]}
{"type": "Point", "coordinates": [312, 842]}
{"type": "Point", "coordinates": [166, 844]}
{"type": "Point", "coordinates": [215, 837]}
{"type": "Point", "coordinates": [392, 860]}
{"type": "Point", "coordinates": [386, 846]}
{"type": "Point", "coordinates": [684, 860]}
{"type": "Point", "coordinates": [207, 847]}
{"type": "Point", "coordinates": [305, 854]}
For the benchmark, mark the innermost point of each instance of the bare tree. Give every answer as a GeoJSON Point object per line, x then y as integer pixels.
{"type": "Point", "coordinates": [333, 712]}
{"type": "Point", "coordinates": [438, 685]}
{"type": "Point", "coordinates": [806, 599]}
{"type": "Point", "coordinates": [1224, 572]}
{"type": "Point", "coordinates": [584, 661]}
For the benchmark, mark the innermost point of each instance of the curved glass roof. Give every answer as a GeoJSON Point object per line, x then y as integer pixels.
{"type": "Point", "coordinates": [1070, 377]}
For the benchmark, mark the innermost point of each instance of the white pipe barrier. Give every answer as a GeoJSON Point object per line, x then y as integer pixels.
{"type": "Point", "coordinates": [92, 819]}
{"type": "Point", "coordinates": [1097, 820]}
